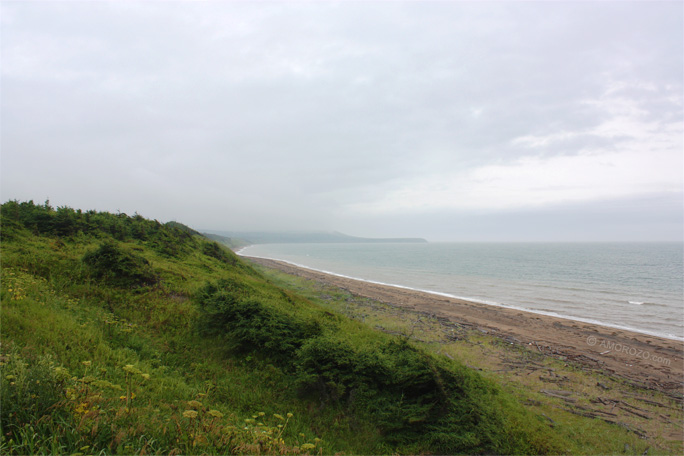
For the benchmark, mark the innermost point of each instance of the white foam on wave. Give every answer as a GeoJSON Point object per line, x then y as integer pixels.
{"type": "Point", "coordinates": [478, 300]}
{"type": "Point", "coordinates": [646, 304]}
{"type": "Point", "coordinates": [241, 249]}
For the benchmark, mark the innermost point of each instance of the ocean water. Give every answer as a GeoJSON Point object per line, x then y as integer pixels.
{"type": "Point", "coordinates": [636, 286]}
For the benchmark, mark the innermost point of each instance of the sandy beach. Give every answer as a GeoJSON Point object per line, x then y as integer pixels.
{"type": "Point", "coordinates": [647, 361]}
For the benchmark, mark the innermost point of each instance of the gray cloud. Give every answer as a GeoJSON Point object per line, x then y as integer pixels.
{"type": "Point", "coordinates": [231, 115]}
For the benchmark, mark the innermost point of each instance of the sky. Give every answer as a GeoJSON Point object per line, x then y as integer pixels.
{"type": "Point", "coordinates": [447, 120]}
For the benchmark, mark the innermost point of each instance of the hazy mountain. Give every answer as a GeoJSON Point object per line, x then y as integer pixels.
{"type": "Point", "coordinates": [259, 237]}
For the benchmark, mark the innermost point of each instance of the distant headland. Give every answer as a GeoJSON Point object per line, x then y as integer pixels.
{"type": "Point", "coordinates": [298, 237]}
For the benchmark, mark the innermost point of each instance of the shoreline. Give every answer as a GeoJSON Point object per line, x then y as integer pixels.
{"type": "Point", "coordinates": [473, 300]}
{"type": "Point", "coordinates": [650, 361]}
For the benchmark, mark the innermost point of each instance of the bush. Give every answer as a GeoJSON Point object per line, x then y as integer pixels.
{"type": "Point", "coordinates": [413, 398]}
{"type": "Point", "coordinates": [395, 385]}
{"type": "Point", "coordinates": [118, 266]}
{"type": "Point", "coordinates": [228, 308]}
{"type": "Point", "coordinates": [212, 249]}
{"type": "Point", "coordinates": [330, 369]}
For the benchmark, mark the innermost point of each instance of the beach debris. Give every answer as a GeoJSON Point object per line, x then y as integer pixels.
{"type": "Point", "coordinates": [632, 409]}
{"type": "Point", "coordinates": [512, 340]}
{"type": "Point", "coordinates": [551, 422]}
{"type": "Point", "coordinates": [596, 414]}
{"type": "Point", "coordinates": [593, 412]}
{"type": "Point", "coordinates": [622, 405]}
{"type": "Point", "coordinates": [652, 402]}
{"type": "Point", "coordinates": [557, 392]}
{"type": "Point", "coordinates": [565, 395]}
{"type": "Point", "coordinates": [553, 377]}
{"type": "Point", "coordinates": [639, 432]}
{"type": "Point", "coordinates": [599, 400]}
{"type": "Point", "coordinates": [668, 420]}
{"type": "Point", "coordinates": [646, 417]}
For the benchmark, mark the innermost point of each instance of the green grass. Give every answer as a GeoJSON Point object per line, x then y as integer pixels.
{"type": "Point", "coordinates": [122, 335]}
{"type": "Point", "coordinates": [74, 331]}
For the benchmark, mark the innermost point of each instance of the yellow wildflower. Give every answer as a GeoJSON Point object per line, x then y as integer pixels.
{"type": "Point", "coordinates": [215, 413]}
{"type": "Point", "coordinates": [190, 414]}
{"type": "Point", "coordinates": [195, 404]}
{"type": "Point", "coordinates": [82, 408]}
{"type": "Point", "coordinates": [308, 446]}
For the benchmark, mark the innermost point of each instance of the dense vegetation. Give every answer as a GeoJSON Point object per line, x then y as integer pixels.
{"type": "Point", "coordinates": [125, 335]}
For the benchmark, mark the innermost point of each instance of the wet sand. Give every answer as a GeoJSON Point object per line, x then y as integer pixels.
{"type": "Point", "coordinates": [647, 361]}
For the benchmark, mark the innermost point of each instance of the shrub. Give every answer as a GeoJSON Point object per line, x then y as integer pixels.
{"type": "Point", "coordinates": [330, 369]}
{"type": "Point", "coordinates": [212, 249]}
{"type": "Point", "coordinates": [412, 397]}
{"type": "Point", "coordinates": [409, 395]}
{"type": "Point", "coordinates": [113, 264]}
{"type": "Point", "coordinates": [228, 308]}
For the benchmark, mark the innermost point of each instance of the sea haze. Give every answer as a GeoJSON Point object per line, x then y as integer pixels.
{"type": "Point", "coordinates": [636, 286]}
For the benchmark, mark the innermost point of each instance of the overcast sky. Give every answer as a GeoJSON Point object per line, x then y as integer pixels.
{"type": "Point", "coordinates": [469, 121]}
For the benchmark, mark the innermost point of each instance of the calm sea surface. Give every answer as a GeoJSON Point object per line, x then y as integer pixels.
{"type": "Point", "coordinates": [637, 286]}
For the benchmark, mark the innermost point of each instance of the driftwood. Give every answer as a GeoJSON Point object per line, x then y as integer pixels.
{"type": "Point", "coordinates": [639, 432]}
{"type": "Point", "coordinates": [659, 404]}
{"type": "Point", "coordinates": [565, 395]}
{"type": "Point", "coordinates": [596, 411]}
{"type": "Point", "coordinates": [629, 408]}
{"type": "Point", "coordinates": [635, 413]}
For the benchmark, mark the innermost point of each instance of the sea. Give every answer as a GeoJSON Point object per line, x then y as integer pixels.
{"type": "Point", "coordinates": [633, 286]}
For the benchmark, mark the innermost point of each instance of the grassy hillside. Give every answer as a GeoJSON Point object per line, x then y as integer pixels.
{"type": "Point", "coordinates": [124, 335]}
